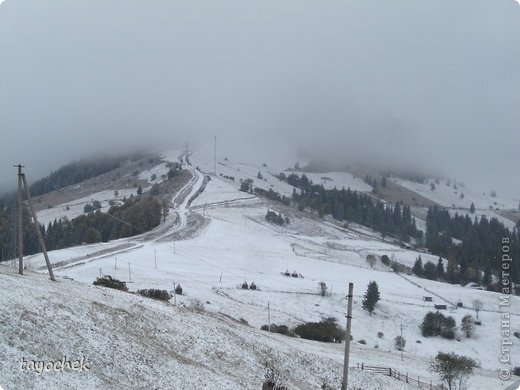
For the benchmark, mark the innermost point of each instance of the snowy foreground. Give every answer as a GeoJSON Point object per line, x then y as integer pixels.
{"type": "Point", "coordinates": [133, 342]}
{"type": "Point", "coordinates": [209, 337]}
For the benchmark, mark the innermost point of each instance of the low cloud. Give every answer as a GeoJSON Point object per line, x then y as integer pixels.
{"type": "Point", "coordinates": [430, 84]}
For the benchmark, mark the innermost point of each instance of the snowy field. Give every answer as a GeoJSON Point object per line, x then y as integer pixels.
{"type": "Point", "coordinates": [448, 196]}
{"type": "Point", "coordinates": [74, 208]}
{"type": "Point", "coordinates": [239, 245]}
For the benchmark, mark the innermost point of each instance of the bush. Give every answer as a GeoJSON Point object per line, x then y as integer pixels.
{"type": "Point", "coordinates": [437, 324]}
{"type": "Point", "coordinates": [326, 330]}
{"type": "Point", "coordinates": [323, 288]}
{"type": "Point", "coordinates": [362, 342]}
{"type": "Point", "coordinates": [516, 371]}
{"type": "Point", "coordinates": [197, 305]}
{"type": "Point", "coordinates": [178, 290]}
{"type": "Point", "coordinates": [380, 335]}
{"type": "Point", "coordinates": [108, 281]}
{"type": "Point", "coordinates": [399, 342]}
{"type": "Point", "coordinates": [282, 329]}
{"type": "Point", "coordinates": [155, 293]}
{"type": "Point", "coordinates": [385, 260]}
{"type": "Point", "coordinates": [453, 368]}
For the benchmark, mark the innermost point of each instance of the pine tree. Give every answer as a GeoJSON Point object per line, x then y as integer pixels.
{"type": "Point", "coordinates": [472, 208]}
{"type": "Point", "coordinates": [430, 271]}
{"type": "Point", "coordinates": [440, 268]}
{"type": "Point", "coordinates": [371, 297]}
{"type": "Point", "coordinates": [418, 267]}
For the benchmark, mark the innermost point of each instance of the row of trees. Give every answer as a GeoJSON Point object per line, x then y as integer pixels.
{"type": "Point", "coordinates": [8, 233]}
{"type": "Point", "coordinates": [475, 254]}
{"type": "Point", "coordinates": [348, 205]}
{"type": "Point", "coordinates": [76, 172]}
{"type": "Point", "coordinates": [135, 216]}
{"type": "Point", "coordinates": [429, 270]}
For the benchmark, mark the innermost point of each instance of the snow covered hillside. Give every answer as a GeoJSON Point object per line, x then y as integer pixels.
{"type": "Point", "coordinates": [128, 341]}
{"type": "Point", "coordinates": [458, 199]}
{"type": "Point", "coordinates": [210, 247]}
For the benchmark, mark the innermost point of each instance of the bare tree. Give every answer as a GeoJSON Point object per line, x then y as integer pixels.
{"type": "Point", "coordinates": [466, 325]}
{"type": "Point", "coordinates": [323, 288]}
{"type": "Point", "coordinates": [453, 369]}
{"type": "Point", "coordinates": [400, 343]}
{"type": "Point", "coordinates": [477, 305]}
{"type": "Point", "coordinates": [371, 260]}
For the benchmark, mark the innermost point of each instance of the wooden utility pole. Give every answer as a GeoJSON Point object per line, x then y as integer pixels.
{"type": "Point", "coordinates": [37, 227]}
{"type": "Point", "coordinates": [215, 157]}
{"type": "Point", "coordinates": [268, 317]}
{"type": "Point", "coordinates": [401, 346]}
{"type": "Point", "coordinates": [22, 184]}
{"type": "Point", "coordinates": [344, 384]}
{"type": "Point", "coordinates": [20, 220]}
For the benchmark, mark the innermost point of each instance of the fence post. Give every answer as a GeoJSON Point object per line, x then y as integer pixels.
{"type": "Point", "coordinates": [362, 366]}
{"type": "Point", "coordinates": [390, 371]}
{"type": "Point", "coordinates": [406, 377]}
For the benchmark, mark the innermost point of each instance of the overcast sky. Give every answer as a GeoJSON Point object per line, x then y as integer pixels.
{"type": "Point", "coordinates": [433, 84]}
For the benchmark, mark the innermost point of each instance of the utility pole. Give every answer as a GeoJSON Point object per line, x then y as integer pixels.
{"type": "Point", "coordinates": [155, 257]}
{"type": "Point", "coordinates": [129, 274]}
{"type": "Point", "coordinates": [20, 220]}
{"type": "Point", "coordinates": [344, 384]}
{"type": "Point", "coordinates": [401, 342]}
{"type": "Point", "coordinates": [268, 317]}
{"type": "Point", "coordinates": [22, 180]}
{"type": "Point", "coordinates": [215, 157]}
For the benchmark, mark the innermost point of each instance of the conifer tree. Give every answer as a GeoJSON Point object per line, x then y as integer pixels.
{"type": "Point", "coordinates": [371, 297]}
{"type": "Point", "coordinates": [440, 268]}
{"type": "Point", "coordinates": [418, 267]}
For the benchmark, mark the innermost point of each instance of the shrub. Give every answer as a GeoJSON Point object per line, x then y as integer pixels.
{"type": "Point", "coordinates": [362, 342]}
{"type": "Point", "coordinates": [453, 368]}
{"type": "Point", "coordinates": [323, 288]}
{"type": "Point", "coordinates": [380, 335]}
{"type": "Point", "coordinates": [385, 260]}
{"type": "Point", "coordinates": [108, 281]}
{"type": "Point", "coordinates": [467, 324]}
{"type": "Point", "coordinates": [155, 293]}
{"type": "Point", "coordinates": [178, 290]}
{"type": "Point", "coordinates": [282, 329]}
{"type": "Point", "coordinates": [437, 324]}
{"type": "Point", "coordinates": [197, 305]}
{"type": "Point", "coordinates": [516, 371]}
{"type": "Point", "coordinates": [326, 330]}
{"type": "Point", "coordinates": [399, 342]}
